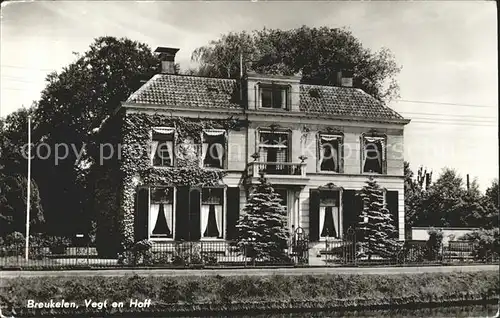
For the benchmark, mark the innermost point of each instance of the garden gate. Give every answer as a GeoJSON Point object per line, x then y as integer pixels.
{"type": "Point", "coordinates": [300, 247]}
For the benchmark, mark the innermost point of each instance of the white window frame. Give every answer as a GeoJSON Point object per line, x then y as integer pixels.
{"type": "Point", "coordinates": [366, 139]}
{"type": "Point", "coordinates": [224, 214]}
{"type": "Point", "coordinates": [150, 230]}
{"type": "Point", "coordinates": [216, 132]}
{"type": "Point", "coordinates": [340, 140]}
{"type": "Point", "coordinates": [267, 131]}
{"type": "Point", "coordinates": [163, 130]}
{"type": "Point", "coordinates": [340, 212]}
{"type": "Point", "coordinates": [285, 95]}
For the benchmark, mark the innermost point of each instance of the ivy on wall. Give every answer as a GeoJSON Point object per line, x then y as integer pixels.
{"type": "Point", "coordinates": [134, 164]}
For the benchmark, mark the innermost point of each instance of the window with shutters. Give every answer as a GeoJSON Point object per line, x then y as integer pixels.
{"type": "Point", "coordinates": [329, 214]}
{"type": "Point", "coordinates": [211, 214]}
{"type": "Point", "coordinates": [161, 213]}
{"type": "Point", "coordinates": [330, 153]}
{"type": "Point", "coordinates": [373, 156]}
{"type": "Point", "coordinates": [213, 148]}
{"type": "Point", "coordinates": [162, 147]}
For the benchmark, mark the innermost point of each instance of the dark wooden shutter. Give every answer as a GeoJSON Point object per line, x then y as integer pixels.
{"type": "Point", "coordinates": [392, 201]}
{"type": "Point", "coordinates": [194, 214]}
{"type": "Point", "coordinates": [141, 214]}
{"type": "Point", "coordinates": [233, 212]}
{"type": "Point", "coordinates": [358, 206]}
{"type": "Point", "coordinates": [182, 213]}
{"type": "Point", "coordinates": [349, 210]}
{"type": "Point", "coordinates": [313, 215]}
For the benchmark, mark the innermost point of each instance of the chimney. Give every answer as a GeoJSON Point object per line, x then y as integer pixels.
{"type": "Point", "coordinates": [167, 57]}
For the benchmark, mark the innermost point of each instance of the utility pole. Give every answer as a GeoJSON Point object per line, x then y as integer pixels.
{"type": "Point", "coordinates": [26, 249]}
{"type": "Point", "coordinates": [241, 76]}
{"type": "Point", "coordinates": [468, 184]}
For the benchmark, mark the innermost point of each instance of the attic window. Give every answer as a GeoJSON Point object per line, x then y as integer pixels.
{"type": "Point", "coordinates": [212, 88]}
{"type": "Point", "coordinates": [314, 92]}
{"type": "Point", "coordinates": [274, 96]}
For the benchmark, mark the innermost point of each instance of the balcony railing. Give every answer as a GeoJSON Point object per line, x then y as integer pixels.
{"type": "Point", "coordinates": [277, 168]}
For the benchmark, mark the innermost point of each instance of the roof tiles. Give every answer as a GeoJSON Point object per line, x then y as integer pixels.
{"type": "Point", "coordinates": [193, 91]}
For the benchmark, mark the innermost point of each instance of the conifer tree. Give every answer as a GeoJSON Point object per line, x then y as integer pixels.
{"type": "Point", "coordinates": [376, 235]}
{"type": "Point", "coordinates": [262, 231]}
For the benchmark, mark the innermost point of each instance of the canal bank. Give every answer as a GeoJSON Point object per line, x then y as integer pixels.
{"type": "Point", "coordinates": [216, 295]}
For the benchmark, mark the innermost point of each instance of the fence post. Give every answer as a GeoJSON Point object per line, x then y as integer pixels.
{"type": "Point", "coordinates": [245, 255]}
{"type": "Point", "coordinates": [201, 254]}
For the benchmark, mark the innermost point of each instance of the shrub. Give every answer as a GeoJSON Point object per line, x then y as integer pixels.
{"type": "Point", "coordinates": [413, 253]}
{"type": "Point", "coordinates": [434, 244]}
{"type": "Point", "coordinates": [15, 239]}
{"type": "Point", "coordinates": [187, 253]}
{"type": "Point", "coordinates": [139, 254]}
{"type": "Point", "coordinates": [210, 259]}
{"type": "Point", "coordinates": [13, 245]}
{"type": "Point", "coordinates": [485, 244]}
{"type": "Point", "coordinates": [159, 258]}
{"type": "Point", "coordinates": [58, 244]}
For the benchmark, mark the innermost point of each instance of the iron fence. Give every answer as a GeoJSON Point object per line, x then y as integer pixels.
{"type": "Point", "coordinates": [347, 251]}
{"type": "Point", "coordinates": [158, 254]}
{"type": "Point", "coordinates": [219, 254]}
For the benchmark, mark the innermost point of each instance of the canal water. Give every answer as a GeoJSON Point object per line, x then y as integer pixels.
{"type": "Point", "coordinates": [466, 311]}
{"type": "Point", "coordinates": [484, 311]}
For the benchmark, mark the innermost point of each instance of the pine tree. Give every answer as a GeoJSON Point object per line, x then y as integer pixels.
{"type": "Point", "coordinates": [262, 231]}
{"type": "Point", "coordinates": [376, 224]}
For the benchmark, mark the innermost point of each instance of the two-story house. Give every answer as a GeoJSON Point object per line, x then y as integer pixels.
{"type": "Point", "coordinates": [203, 142]}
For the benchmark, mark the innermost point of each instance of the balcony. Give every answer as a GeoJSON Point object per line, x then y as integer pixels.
{"type": "Point", "coordinates": [278, 172]}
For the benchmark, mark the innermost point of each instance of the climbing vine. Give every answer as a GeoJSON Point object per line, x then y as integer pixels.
{"type": "Point", "coordinates": [134, 163]}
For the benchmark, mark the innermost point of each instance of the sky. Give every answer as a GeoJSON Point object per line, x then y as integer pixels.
{"type": "Point", "coordinates": [447, 50]}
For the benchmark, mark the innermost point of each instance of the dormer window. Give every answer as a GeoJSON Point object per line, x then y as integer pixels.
{"type": "Point", "coordinates": [274, 96]}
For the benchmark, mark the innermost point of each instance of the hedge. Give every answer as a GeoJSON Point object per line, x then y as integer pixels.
{"type": "Point", "coordinates": [209, 294]}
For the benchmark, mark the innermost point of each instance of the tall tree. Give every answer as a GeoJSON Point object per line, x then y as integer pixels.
{"type": "Point", "coordinates": [262, 231]}
{"type": "Point", "coordinates": [13, 202]}
{"type": "Point", "coordinates": [13, 176]}
{"type": "Point", "coordinates": [491, 207]}
{"type": "Point", "coordinates": [72, 107]}
{"type": "Point", "coordinates": [492, 193]}
{"type": "Point", "coordinates": [473, 212]}
{"type": "Point", "coordinates": [442, 206]}
{"type": "Point", "coordinates": [316, 52]}
{"type": "Point", "coordinates": [376, 224]}
{"type": "Point", "coordinates": [413, 198]}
